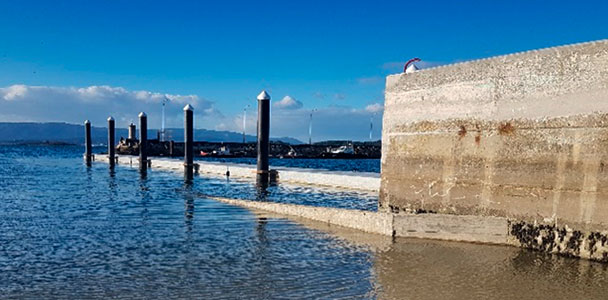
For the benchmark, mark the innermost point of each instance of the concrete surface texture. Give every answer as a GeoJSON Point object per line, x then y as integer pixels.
{"type": "Point", "coordinates": [521, 136]}
{"type": "Point", "coordinates": [347, 180]}
{"type": "Point", "coordinates": [475, 229]}
{"type": "Point", "coordinates": [489, 230]}
{"type": "Point", "coordinates": [366, 221]}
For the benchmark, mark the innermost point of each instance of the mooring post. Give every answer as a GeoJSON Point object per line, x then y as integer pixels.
{"type": "Point", "coordinates": [263, 137]}
{"type": "Point", "coordinates": [131, 131]}
{"type": "Point", "coordinates": [188, 141]}
{"type": "Point", "coordinates": [87, 143]}
{"type": "Point", "coordinates": [171, 148]}
{"type": "Point", "coordinates": [111, 137]}
{"type": "Point", "coordinates": [143, 141]}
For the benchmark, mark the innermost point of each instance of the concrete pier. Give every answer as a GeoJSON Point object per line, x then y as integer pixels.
{"type": "Point", "coordinates": [441, 227]}
{"type": "Point", "coordinates": [521, 137]}
{"type": "Point", "coordinates": [508, 150]}
{"type": "Point", "coordinates": [143, 142]}
{"type": "Point", "coordinates": [362, 181]}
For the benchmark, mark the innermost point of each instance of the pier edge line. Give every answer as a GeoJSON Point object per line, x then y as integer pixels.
{"type": "Point", "coordinates": [460, 228]}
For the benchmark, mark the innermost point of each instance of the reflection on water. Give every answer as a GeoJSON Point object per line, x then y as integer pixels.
{"type": "Point", "coordinates": [68, 231]}
{"type": "Point", "coordinates": [72, 232]}
{"type": "Point", "coordinates": [417, 269]}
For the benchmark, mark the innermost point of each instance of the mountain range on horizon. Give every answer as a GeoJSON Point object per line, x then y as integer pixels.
{"type": "Point", "coordinates": [16, 132]}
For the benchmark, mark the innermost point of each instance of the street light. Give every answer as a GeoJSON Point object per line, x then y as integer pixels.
{"type": "Point", "coordinates": [371, 126]}
{"type": "Point", "coordinates": [244, 122]}
{"type": "Point", "coordinates": [310, 127]}
{"type": "Point", "coordinates": [162, 124]}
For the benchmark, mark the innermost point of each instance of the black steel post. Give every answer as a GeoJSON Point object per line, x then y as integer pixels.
{"type": "Point", "coordinates": [132, 131]}
{"type": "Point", "coordinates": [87, 143]}
{"type": "Point", "coordinates": [111, 142]}
{"type": "Point", "coordinates": [263, 137]}
{"type": "Point", "coordinates": [143, 141]}
{"type": "Point", "coordinates": [188, 141]}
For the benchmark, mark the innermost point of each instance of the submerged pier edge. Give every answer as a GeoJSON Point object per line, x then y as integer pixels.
{"type": "Point", "coordinates": [562, 241]}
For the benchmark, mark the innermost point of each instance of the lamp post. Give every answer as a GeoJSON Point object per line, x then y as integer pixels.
{"type": "Point", "coordinates": [162, 124]}
{"type": "Point", "coordinates": [310, 127]}
{"type": "Point", "coordinates": [371, 126]}
{"type": "Point", "coordinates": [244, 122]}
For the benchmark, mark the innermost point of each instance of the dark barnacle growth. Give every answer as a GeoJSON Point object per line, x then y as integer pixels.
{"type": "Point", "coordinates": [528, 236]}
{"type": "Point", "coordinates": [394, 209]}
{"type": "Point", "coordinates": [562, 234]}
{"type": "Point", "coordinates": [525, 234]}
{"type": "Point", "coordinates": [593, 239]}
{"type": "Point", "coordinates": [548, 239]}
{"type": "Point", "coordinates": [575, 241]}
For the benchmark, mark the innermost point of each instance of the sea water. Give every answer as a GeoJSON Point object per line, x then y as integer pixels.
{"type": "Point", "coordinates": [354, 165]}
{"type": "Point", "coordinates": [72, 231]}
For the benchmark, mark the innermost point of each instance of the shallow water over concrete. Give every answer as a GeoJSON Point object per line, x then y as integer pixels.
{"type": "Point", "coordinates": [67, 231]}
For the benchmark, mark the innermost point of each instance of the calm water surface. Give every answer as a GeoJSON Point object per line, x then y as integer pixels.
{"type": "Point", "coordinates": [68, 231]}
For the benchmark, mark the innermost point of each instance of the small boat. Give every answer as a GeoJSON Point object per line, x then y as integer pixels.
{"type": "Point", "coordinates": [292, 153]}
{"type": "Point", "coordinates": [344, 150]}
{"type": "Point", "coordinates": [223, 151]}
{"type": "Point", "coordinates": [203, 153]}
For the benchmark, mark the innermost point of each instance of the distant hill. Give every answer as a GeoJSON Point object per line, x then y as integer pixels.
{"type": "Point", "coordinates": [73, 133]}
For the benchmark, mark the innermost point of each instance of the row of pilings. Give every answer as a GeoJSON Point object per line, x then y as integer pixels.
{"type": "Point", "coordinates": [263, 143]}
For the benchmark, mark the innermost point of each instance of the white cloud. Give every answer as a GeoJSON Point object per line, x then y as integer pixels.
{"type": "Point", "coordinates": [74, 105]}
{"type": "Point", "coordinates": [288, 102]}
{"type": "Point", "coordinates": [374, 108]}
{"type": "Point", "coordinates": [19, 103]}
{"type": "Point", "coordinates": [15, 91]}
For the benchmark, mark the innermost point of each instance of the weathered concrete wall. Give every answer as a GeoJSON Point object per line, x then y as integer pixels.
{"type": "Point", "coordinates": [522, 136]}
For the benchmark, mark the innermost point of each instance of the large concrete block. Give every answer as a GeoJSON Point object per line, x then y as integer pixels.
{"type": "Point", "coordinates": [521, 136]}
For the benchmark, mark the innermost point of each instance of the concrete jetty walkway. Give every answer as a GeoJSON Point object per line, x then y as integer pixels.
{"type": "Point", "coordinates": [490, 230]}
{"type": "Point", "coordinates": [364, 181]}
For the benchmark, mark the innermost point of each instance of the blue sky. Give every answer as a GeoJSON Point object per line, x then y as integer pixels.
{"type": "Point", "coordinates": [326, 55]}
